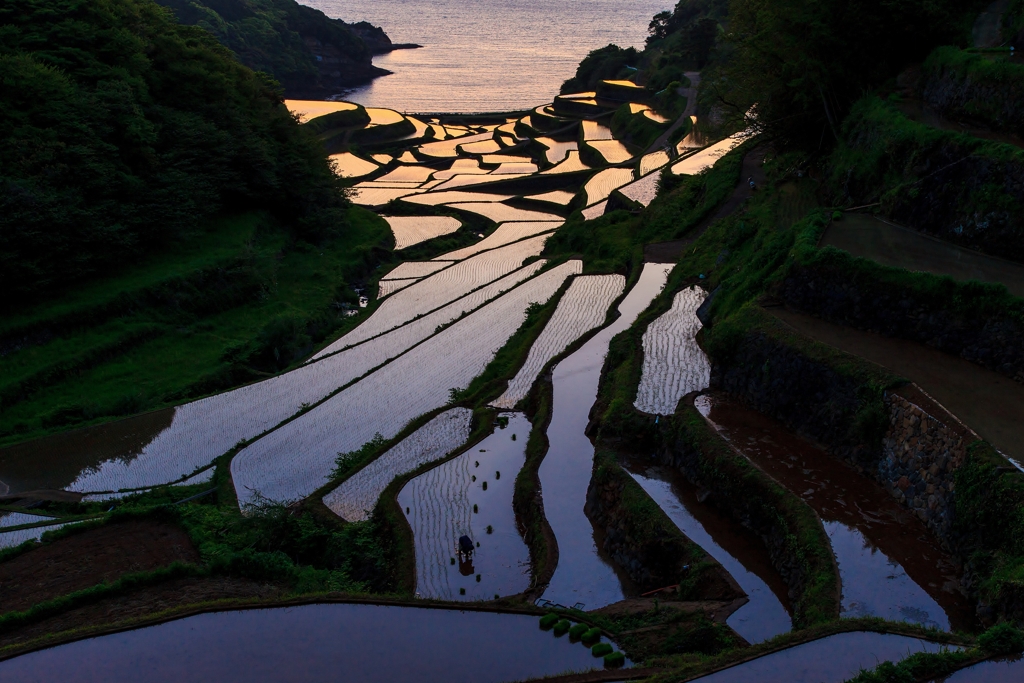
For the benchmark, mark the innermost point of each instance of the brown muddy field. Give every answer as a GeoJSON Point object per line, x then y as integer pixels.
{"type": "Point", "coordinates": [89, 558]}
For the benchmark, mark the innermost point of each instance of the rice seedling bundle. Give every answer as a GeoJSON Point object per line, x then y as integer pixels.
{"type": "Point", "coordinates": [706, 158]}
{"type": "Point", "coordinates": [348, 165]}
{"type": "Point", "coordinates": [652, 161]}
{"type": "Point", "coordinates": [571, 164]}
{"type": "Point", "coordinates": [410, 230]}
{"type": "Point", "coordinates": [613, 151]}
{"type": "Point", "coordinates": [355, 497]}
{"type": "Point", "coordinates": [310, 109]}
{"type": "Point", "coordinates": [674, 365]}
{"type": "Point", "coordinates": [583, 307]}
{"type": "Point", "coordinates": [505, 234]}
{"type": "Point", "coordinates": [441, 289]}
{"type": "Point", "coordinates": [293, 461]}
{"type": "Point", "coordinates": [417, 269]}
{"type": "Point", "coordinates": [603, 183]}
{"type": "Point", "coordinates": [499, 212]}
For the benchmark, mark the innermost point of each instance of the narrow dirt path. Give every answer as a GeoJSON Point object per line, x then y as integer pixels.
{"type": "Point", "coordinates": [690, 94]}
{"type": "Point", "coordinates": [753, 167]}
{"type": "Point", "coordinates": [988, 28]}
{"type": "Point", "coordinates": [987, 402]}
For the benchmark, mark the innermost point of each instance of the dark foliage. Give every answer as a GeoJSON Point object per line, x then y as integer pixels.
{"type": "Point", "coordinates": [123, 131]}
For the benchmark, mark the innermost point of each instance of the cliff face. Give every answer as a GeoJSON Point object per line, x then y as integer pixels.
{"type": "Point", "coordinates": [309, 53]}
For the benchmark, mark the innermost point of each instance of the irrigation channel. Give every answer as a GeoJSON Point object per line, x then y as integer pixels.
{"type": "Point", "coordinates": [359, 643]}
{"type": "Point", "coordinates": [738, 550]}
{"type": "Point", "coordinates": [471, 495]}
{"type": "Point", "coordinates": [582, 576]}
{"type": "Point", "coordinates": [889, 563]}
{"type": "Point", "coordinates": [828, 660]}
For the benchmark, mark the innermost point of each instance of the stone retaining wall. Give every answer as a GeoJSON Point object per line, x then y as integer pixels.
{"type": "Point", "coordinates": [921, 455]}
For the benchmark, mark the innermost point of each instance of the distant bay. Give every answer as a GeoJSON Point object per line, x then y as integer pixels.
{"type": "Point", "coordinates": [488, 55]}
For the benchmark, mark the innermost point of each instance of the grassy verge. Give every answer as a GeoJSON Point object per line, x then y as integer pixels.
{"type": "Point", "coordinates": [968, 85]}
{"type": "Point", "coordinates": [249, 304]}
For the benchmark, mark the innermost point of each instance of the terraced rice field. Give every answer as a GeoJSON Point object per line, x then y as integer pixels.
{"type": "Point", "coordinates": [583, 307]}
{"type": "Point", "coordinates": [557, 151]}
{"type": "Point", "coordinates": [293, 461]}
{"type": "Point", "coordinates": [505, 234]}
{"type": "Point", "coordinates": [471, 495]}
{"type": "Point", "coordinates": [348, 165]}
{"type": "Point", "coordinates": [383, 117]}
{"type": "Point", "coordinates": [705, 159]}
{"type": "Point", "coordinates": [378, 196]}
{"type": "Point", "coordinates": [499, 213]}
{"type": "Point", "coordinates": [515, 167]}
{"type": "Point", "coordinates": [571, 164]}
{"type": "Point", "coordinates": [441, 289]}
{"type": "Point", "coordinates": [613, 151]}
{"type": "Point", "coordinates": [417, 269]}
{"type": "Point", "coordinates": [307, 110]}
{"type": "Point", "coordinates": [11, 539]}
{"type": "Point", "coordinates": [407, 174]}
{"type": "Point", "coordinates": [592, 130]}
{"type": "Point", "coordinates": [504, 159]}
{"type": "Point", "coordinates": [642, 191]}
{"type": "Point", "coordinates": [595, 211]}
{"type": "Point", "coordinates": [636, 107]}
{"type": "Point", "coordinates": [420, 132]}
{"type": "Point", "coordinates": [447, 148]}
{"type": "Point", "coordinates": [559, 197]}
{"type": "Point", "coordinates": [652, 161]}
{"type": "Point", "coordinates": [408, 158]}
{"type": "Point", "coordinates": [674, 365]}
{"type": "Point", "coordinates": [602, 184]}
{"type": "Point", "coordinates": [467, 180]}
{"type": "Point", "coordinates": [655, 116]}
{"type": "Point", "coordinates": [382, 159]}
{"type": "Point", "coordinates": [410, 230]}
{"type": "Point", "coordinates": [438, 197]}
{"type": "Point", "coordinates": [386, 287]}
{"type": "Point", "coordinates": [693, 140]}
{"type": "Point", "coordinates": [481, 147]}
{"type": "Point", "coordinates": [9, 519]}
{"type": "Point", "coordinates": [355, 498]}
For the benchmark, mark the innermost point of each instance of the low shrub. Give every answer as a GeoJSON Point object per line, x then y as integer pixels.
{"type": "Point", "coordinates": [1002, 639]}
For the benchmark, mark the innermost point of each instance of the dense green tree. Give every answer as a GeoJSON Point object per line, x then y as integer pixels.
{"type": "Point", "coordinates": [124, 130]}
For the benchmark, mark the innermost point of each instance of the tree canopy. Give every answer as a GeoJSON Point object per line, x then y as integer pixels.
{"type": "Point", "coordinates": [124, 130]}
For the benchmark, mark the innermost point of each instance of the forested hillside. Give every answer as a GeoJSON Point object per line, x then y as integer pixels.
{"type": "Point", "coordinates": [309, 53]}
{"type": "Point", "coordinates": [124, 131]}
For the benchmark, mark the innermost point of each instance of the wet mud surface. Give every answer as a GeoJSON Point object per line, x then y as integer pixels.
{"type": "Point", "coordinates": [89, 558]}
{"type": "Point", "coordinates": [889, 563]}
{"type": "Point", "coordinates": [987, 402]}
{"type": "Point", "coordinates": [900, 247]}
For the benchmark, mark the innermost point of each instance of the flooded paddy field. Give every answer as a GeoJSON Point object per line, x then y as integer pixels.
{"type": "Point", "coordinates": [828, 660]}
{"type": "Point", "coordinates": [674, 365]}
{"type": "Point", "coordinates": [583, 307]}
{"type": "Point", "coordinates": [737, 549]}
{"type": "Point", "coordinates": [894, 245]}
{"type": "Point", "coordinates": [889, 563]}
{"type": "Point", "coordinates": [582, 575]}
{"type": "Point", "coordinates": [308, 643]}
{"type": "Point", "coordinates": [471, 496]}
{"type": "Point", "coordinates": [993, 671]}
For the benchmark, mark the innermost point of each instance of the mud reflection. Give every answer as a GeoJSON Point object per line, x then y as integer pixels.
{"type": "Point", "coordinates": [53, 462]}
{"type": "Point", "coordinates": [889, 563]}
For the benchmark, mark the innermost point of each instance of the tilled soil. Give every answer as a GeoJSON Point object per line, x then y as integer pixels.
{"type": "Point", "coordinates": [89, 558]}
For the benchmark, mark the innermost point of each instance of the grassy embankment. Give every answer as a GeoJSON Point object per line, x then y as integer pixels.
{"type": "Point", "coordinates": [241, 303]}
